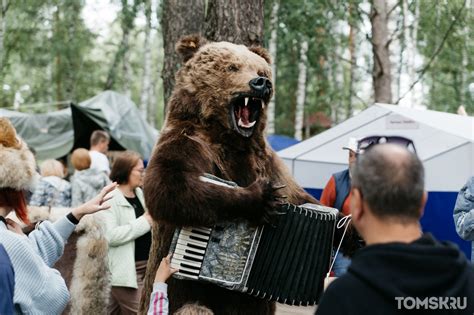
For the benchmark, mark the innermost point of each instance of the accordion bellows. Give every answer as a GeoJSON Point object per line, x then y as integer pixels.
{"type": "Point", "coordinates": [286, 263]}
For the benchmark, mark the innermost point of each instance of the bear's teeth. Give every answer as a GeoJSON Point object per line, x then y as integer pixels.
{"type": "Point", "coordinates": [263, 104]}
{"type": "Point", "coordinates": [249, 125]}
{"type": "Point", "coordinates": [246, 101]}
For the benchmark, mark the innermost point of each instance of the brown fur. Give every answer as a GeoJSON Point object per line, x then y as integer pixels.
{"type": "Point", "coordinates": [198, 138]}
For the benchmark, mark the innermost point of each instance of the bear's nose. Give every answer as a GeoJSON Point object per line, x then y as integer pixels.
{"type": "Point", "coordinates": [261, 85]}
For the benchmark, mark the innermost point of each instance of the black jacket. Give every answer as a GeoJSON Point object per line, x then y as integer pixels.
{"type": "Point", "coordinates": [396, 278]}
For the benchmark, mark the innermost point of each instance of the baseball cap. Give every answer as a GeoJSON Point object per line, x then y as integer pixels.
{"type": "Point", "coordinates": [351, 144]}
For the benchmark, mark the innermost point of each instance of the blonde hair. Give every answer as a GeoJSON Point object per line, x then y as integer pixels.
{"type": "Point", "coordinates": [193, 309]}
{"type": "Point", "coordinates": [52, 168]}
{"type": "Point", "coordinates": [80, 159]}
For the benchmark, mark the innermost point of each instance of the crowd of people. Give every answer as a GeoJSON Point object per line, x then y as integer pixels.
{"type": "Point", "coordinates": [400, 269]}
{"type": "Point", "coordinates": [28, 282]}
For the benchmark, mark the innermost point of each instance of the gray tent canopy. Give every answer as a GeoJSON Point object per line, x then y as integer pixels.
{"type": "Point", "coordinates": [55, 134]}
{"type": "Point", "coordinates": [50, 134]}
{"type": "Point", "coordinates": [118, 115]}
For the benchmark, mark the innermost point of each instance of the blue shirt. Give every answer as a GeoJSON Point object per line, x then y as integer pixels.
{"type": "Point", "coordinates": [7, 282]}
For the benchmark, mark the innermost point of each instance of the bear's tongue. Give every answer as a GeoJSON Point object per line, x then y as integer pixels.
{"type": "Point", "coordinates": [244, 115]}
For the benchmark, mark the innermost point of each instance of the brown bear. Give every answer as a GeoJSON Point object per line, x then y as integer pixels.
{"type": "Point", "coordinates": [215, 124]}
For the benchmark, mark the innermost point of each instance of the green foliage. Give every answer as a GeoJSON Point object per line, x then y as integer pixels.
{"type": "Point", "coordinates": [51, 56]}
{"type": "Point", "coordinates": [452, 70]}
{"type": "Point", "coordinates": [319, 23]}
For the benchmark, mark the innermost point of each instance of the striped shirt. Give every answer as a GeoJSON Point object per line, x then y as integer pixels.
{"type": "Point", "coordinates": [39, 289]}
{"type": "Point", "coordinates": [159, 299]}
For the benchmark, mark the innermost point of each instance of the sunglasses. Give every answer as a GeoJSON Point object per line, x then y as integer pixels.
{"type": "Point", "coordinates": [367, 142]}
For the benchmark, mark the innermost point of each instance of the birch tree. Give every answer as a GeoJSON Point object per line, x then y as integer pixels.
{"type": "Point", "coordinates": [272, 48]}
{"type": "Point", "coordinates": [146, 76]}
{"type": "Point", "coordinates": [4, 4]}
{"type": "Point", "coordinates": [301, 90]}
{"type": "Point", "coordinates": [381, 73]}
{"type": "Point", "coordinates": [128, 15]}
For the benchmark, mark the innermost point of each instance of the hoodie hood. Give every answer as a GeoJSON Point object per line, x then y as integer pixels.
{"type": "Point", "coordinates": [91, 177]}
{"type": "Point", "coordinates": [423, 268]}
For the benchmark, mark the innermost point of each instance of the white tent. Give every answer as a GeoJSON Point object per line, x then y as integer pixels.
{"type": "Point", "coordinates": [444, 142]}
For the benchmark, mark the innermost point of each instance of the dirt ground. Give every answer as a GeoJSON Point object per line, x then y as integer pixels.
{"type": "Point", "coordinates": [283, 309]}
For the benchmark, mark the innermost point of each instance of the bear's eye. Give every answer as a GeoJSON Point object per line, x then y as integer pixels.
{"type": "Point", "coordinates": [262, 74]}
{"type": "Point", "coordinates": [233, 68]}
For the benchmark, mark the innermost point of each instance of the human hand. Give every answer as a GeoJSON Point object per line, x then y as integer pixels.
{"type": "Point", "coordinates": [148, 218]}
{"type": "Point", "coordinates": [165, 270]}
{"type": "Point", "coordinates": [14, 227]}
{"type": "Point", "coordinates": [96, 203]}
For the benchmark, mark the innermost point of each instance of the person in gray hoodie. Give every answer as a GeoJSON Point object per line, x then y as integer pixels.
{"type": "Point", "coordinates": [86, 181]}
{"type": "Point", "coordinates": [464, 213]}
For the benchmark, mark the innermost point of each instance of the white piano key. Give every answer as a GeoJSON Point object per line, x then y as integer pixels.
{"type": "Point", "coordinates": [187, 276]}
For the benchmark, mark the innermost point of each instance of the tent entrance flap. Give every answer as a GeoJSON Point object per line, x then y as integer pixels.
{"type": "Point", "coordinates": [85, 121]}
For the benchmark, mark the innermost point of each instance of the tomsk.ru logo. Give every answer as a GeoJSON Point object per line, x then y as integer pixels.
{"type": "Point", "coordinates": [431, 303]}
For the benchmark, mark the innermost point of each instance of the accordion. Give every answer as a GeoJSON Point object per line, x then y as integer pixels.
{"type": "Point", "coordinates": [286, 263]}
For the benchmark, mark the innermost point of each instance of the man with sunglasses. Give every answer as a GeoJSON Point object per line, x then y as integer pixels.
{"type": "Point", "coordinates": [401, 270]}
{"type": "Point", "coordinates": [336, 194]}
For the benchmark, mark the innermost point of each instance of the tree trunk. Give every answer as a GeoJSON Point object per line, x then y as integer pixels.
{"type": "Point", "coordinates": [178, 18]}
{"type": "Point", "coordinates": [4, 4]}
{"type": "Point", "coordinates": [352, 64]}
{"type": "Point", "coordinates": [57, 62]}
{"type": "Point", "coordinates": [128, 17]}
{"type": "Point", "coordinates": [126, 71]}
{"type": "Point", "coordinates": [146, 78]}
{"type": "Point", "coordinates": [413, 52]}
{"type": "Point", "coordinates": [404, 35]}
{"type": "Point", "coordinates": [381, 75]}
{"type": "Point", "coordinates": [301, 91]}
{"type": "Point", "coordinates": [272, 48]}
{"type": "Point", "coordinates": [239, 22]}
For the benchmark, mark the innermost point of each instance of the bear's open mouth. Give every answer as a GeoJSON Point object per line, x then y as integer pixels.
{"type": "Point", "coordinates": [245, 111]}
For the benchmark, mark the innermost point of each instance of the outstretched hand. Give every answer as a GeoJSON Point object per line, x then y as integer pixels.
{"type": "Point", "coordinates": [164, 270]}
{"type": "Point", "coordinates": [95, 204]}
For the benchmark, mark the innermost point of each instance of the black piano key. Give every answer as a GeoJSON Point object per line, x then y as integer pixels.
{"type": "Point", "coordinates": [195, 237]}
{"type": "Point", "coordinates": [190, 266]}
{"type": "Point", "coordinates": [191, 245]}
{"type": "Point", "coordinates": [200, 232]}
{"type": "Point", "coordinates": [186, 272]}
{"type": "Point", "coordinates": [192, 258]}
{"type": "Point", "coordinates": [189, 251]}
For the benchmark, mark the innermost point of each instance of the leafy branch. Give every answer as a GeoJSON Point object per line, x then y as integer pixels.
{"type": "Point", "coordinates": [435, 53]}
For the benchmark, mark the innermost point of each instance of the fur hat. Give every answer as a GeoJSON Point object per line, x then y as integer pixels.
{"type": "Point", "coordinates": [17, 163]}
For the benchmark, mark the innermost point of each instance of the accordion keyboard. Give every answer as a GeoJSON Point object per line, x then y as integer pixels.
{"type": "Point", "coordinates": [190, 251]}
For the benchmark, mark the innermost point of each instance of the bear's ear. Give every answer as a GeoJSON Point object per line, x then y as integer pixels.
{"type": "Point", "coordinates": [189, 44]}
{"type": "Point", "coordinates": [262, 52]}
